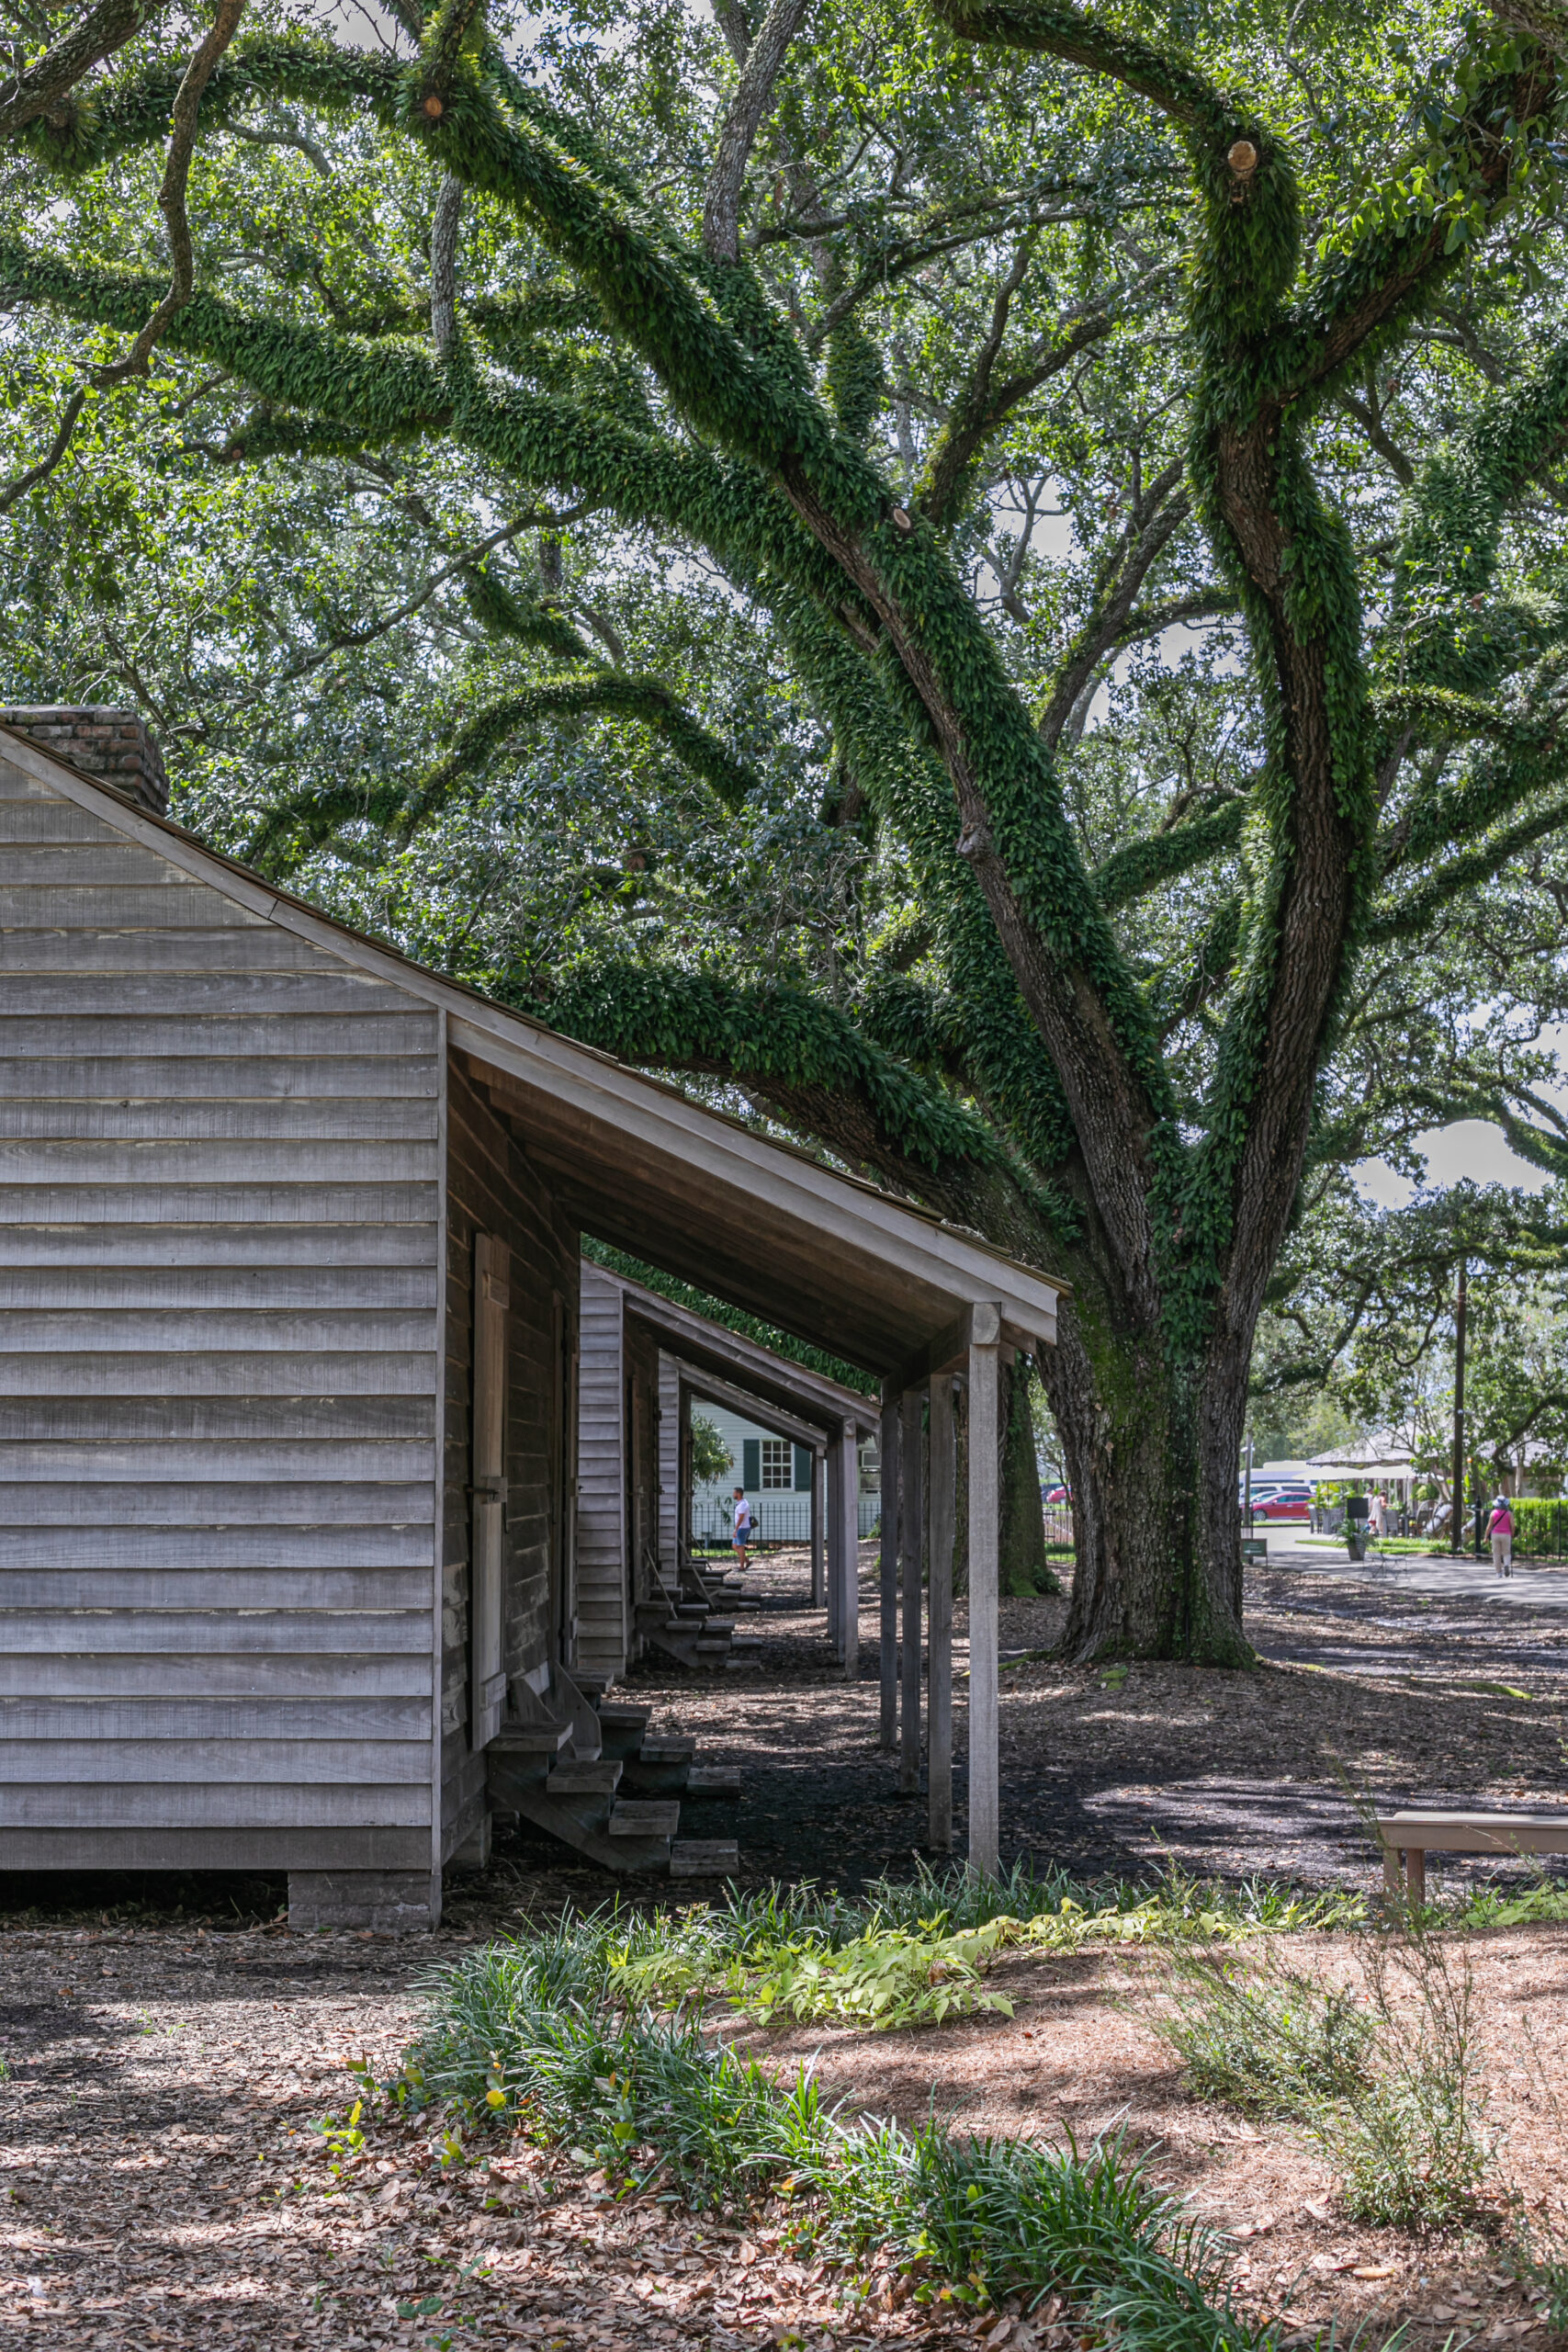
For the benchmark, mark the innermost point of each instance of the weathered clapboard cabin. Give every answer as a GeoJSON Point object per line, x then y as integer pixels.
{"type": "Point", "coordinates": [645, 1357]}
{"type": "Point", "coordinates": [290, 1359]}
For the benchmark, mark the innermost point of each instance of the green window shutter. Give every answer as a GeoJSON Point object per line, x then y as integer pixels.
{"type": "Point", "coordinates": [803, 1469]}
{"type": "Point", "coordinates": [751, 1465]}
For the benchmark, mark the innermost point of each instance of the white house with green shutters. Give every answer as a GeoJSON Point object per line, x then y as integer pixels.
{"type": "Point", "coordinates": [776, 1475]}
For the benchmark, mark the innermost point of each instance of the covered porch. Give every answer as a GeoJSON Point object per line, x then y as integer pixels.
{"type": "Point", "coordinates": [846, 1269]}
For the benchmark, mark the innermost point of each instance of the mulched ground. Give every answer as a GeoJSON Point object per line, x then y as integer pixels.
{"type": "Point", "coordinates": [1361, 1695]}
{"type": "Point", "coordinates": [168, 2049]}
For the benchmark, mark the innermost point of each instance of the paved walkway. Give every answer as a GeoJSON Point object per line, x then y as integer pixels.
{"type": "Point", "coordinates": [1528, 1587]}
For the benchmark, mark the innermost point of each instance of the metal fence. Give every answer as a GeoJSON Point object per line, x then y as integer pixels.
{"type": "Point", "coordinates": [778, 1519]}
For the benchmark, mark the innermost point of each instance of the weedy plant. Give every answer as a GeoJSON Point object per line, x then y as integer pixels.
{"type": "Point", "coordinates": [1415, 2148]}
{"type": "Point", "coordinates": [1382, 2073]}
{"type": "Point", "coordinates": [1270, 2040]}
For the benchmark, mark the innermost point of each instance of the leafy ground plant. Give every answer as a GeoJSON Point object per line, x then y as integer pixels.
{"type": "Point", "coordinates": [538, 2034]}
{"type": "Point", "coordinates": [917, 1953]}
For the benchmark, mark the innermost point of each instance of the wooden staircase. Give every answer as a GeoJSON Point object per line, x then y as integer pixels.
{"type": "Point", "coordinates": [592, 1774]}
{"type": "Point", "coordinates": [695, 1623]}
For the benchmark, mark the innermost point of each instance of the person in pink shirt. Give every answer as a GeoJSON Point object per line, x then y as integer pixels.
{"type": "Point", "coordinates": [1500, 1527]}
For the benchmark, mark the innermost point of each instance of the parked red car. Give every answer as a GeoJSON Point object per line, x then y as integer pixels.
{"type": "Point", "coordinates": [1284, 1502]}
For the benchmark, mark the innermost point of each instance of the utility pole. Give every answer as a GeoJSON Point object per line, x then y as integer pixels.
{"type": "Point", "coordinates": [1458, 1412]}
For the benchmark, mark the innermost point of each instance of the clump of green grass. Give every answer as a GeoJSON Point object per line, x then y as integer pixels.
{"type": "Point", "coordinates": [1270, 2040]}
{"type": "Point", "coordinates": [1382, 2073]}
{"type": "Point", "coordinates": [543, 2034]}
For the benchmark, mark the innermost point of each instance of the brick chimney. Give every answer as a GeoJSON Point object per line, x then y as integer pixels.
{"type": "Point", "coordinates": [112, 746]}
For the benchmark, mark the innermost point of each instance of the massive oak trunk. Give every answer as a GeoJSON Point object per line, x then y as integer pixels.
{"type": "Point", "coordinates": [1151, 1449]}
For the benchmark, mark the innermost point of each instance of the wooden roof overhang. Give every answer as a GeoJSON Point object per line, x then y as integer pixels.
{"type": "Point", "coordinates": [830, 1260]}
{"type": "Point", "coordinates": [633, 1160]}
{"type": "Point", "coordinates": [728, 1368]}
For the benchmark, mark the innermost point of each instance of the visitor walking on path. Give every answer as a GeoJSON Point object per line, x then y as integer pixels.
{"type": "Point", "coordinates": [1500, 1527]}
{"type": "Point", "coordinates": [742, 1524]}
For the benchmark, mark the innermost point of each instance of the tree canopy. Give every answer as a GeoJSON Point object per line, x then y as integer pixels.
{"type": "Point", "coordinates": [981, 579]}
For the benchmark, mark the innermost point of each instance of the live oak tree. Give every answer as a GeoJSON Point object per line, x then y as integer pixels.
{"type": "Point", "coordinates": [649, 444]}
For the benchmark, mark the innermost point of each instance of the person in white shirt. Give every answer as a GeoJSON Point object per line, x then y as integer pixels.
{"type": "Point", "coordinates": [743, 1536]}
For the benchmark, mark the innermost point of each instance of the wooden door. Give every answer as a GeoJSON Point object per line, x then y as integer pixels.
{"type": "Point", "coordinates": [486, 1671]}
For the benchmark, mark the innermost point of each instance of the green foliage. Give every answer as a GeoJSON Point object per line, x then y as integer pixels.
{"type": "Point", "coordinates": [711, 1457]}
{"type": "Point", "coordinates": [529, 2034]}
{"type": "Point", "coordinates": [1266, 307]}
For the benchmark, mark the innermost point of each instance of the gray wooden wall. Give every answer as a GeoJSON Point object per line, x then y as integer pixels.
{"type": "Point", "coordinates": [602, 1617]}
{"type": "Point", "coordinates": [219, 1237]}
{"type": "Point", "coordinates": [492, 1188]}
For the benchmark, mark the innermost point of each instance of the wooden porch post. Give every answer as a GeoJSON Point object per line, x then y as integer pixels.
{"type": "Point", "coordinates": [887, 1583]}
{"type": "Point", "coordinates": [943, 1486]}
{"type": "Point", "coordinates": [848, 1552]}
{"type": "Point", "coordinates": [818, 1514]}
{"type": "Point", "coordinates": [911, 1535]}
{"type": "Point", "coordinates": [835, 1539]}
{"type": "Point", "coordinates": [984, 1348]}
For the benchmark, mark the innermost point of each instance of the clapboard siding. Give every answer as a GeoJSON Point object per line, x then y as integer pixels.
{"type": "Point", "coordinates": [244, 1373]}
{"type": "Point", "coordinates": [324, 1501]}
{"type": "Point", "coordinates": [492, 1188]}
{"type": "Point", "coordinates": [221, 1175]}
{"type": "Point", "coordinates": [244, 1458]}
{"type": "Point", "coordinates": [177, 1589]}
{"type": "Point", "coordinates": [283, 1675]}
{"type": "Point", "coordinates": [221, 1548]}
{"type": "Point", "coordinates": [228, 1758]}
{"type": "Point", "coordinates": [668, 1462]}
{"type": "Point", "coordinates": [124, 1246]}
{"type": "Point", "coordinates": [209, 1204]}
{"type": "Point", "coordinates": [601, 1481]}
{"type": "Point", "coordinates": [183, 1078]}
{"type": "Point", "coordinates": [74, 1725]}
{"type": "Point", "coordinates": [107, 1422]}
{"type": "Point", "coordinates": [373, 1118]}
{"type": "Point", "coordinates": [180, 1804]}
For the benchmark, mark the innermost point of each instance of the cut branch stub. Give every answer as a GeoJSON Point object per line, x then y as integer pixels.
{"type": "Point", "coordinates": [1242, 157]}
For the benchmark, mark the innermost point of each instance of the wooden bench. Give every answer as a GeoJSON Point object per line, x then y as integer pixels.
{"type": "Point", "coordinates": [1417, 1834]}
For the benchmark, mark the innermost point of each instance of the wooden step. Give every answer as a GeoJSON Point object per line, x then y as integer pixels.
{"type": "Point", "coordinates": [621, 1729]}
{"type": "Point", "coordinates": [746, 1641]}
{"type": "Point", "coordinates": [712, 1650]}
{"type": "Point", "coordinates": [644, 1818]}
{"type": "Point", "coordinates": [572, 1779]}
{"type": "Point", "coordinates": [704, 1857]}
{"type": "Point", "coordinates": [624, 1718]}
{"type": "Point", "coordinates": [667, 1749]}
{"type": "Point", "coordinates": [713, 1781]}
{"type": "Point", "coordinates": [716, 1625]}
{"type": "Point", "coordinates": [651, 1613]}
{"type": "Point", "coordinates": [537, 1739]}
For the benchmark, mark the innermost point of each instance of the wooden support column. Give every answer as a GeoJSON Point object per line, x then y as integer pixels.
{"type": "Point", "coordinates": [888, 1578]}
{"type": "Point", "coordinates": [835, 1516]}
{"type": "Point", "coordinates": [941, 1485]}
{"type": "Point", "coordinates": [849, 1553]}
{"type": "Point", "coordinates": [911, 1546]}
{"type": "Point", "coordinates": [985, 1810]}
{"type": "Point", "coordinates": [819, 1529]}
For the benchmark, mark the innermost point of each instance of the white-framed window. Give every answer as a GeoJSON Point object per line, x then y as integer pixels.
{"type": "Point", "coordinates": [778, 1463]}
